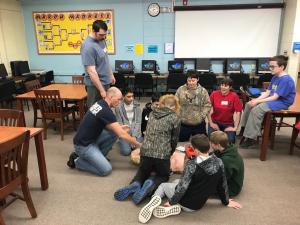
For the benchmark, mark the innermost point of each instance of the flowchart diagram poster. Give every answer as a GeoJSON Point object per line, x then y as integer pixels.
{"type": "Point", "coordinates": [64, 32]}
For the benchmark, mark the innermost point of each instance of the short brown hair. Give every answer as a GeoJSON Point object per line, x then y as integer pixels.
{"type": "Point", "coordinates": [226, 81]}
{"type": "Point", "coordinates": [281, 60]}
{"type": "Point", "coordinates": [200, 142]}
{"type": "Point", "coordinates": [219, 137]}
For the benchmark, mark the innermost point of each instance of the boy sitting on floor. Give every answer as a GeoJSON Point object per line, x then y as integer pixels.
{"type": "Point", "coordinates": [202, 177]}
{"type": "Point", "coordinates": [233, 162]}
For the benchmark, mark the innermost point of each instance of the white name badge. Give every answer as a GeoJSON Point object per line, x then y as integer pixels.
{"type": "Point", "coordinates": [224, 102]}
{"type": "Point", "coordinates": [105, 50]}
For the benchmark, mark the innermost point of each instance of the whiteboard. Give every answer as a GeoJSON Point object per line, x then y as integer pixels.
{"type": "Point", "coordinates": [243, 33]}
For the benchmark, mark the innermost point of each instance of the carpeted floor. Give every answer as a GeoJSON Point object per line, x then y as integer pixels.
{"type": "Point", "coordinates": [271, 192]}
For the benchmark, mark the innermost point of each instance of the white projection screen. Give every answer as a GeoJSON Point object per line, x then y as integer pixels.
{"type": "Point", "coordinates": [243, 33]}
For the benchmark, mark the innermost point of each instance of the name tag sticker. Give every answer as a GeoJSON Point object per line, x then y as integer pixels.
{"type": "Point", "coordinates": [224, 102]}
{"type": "Point", "coordinates": [105, 50]}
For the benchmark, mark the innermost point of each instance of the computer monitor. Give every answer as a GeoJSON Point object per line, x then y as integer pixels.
{"type": "Point", "coordinates": [15, 68]}
{"type": "Point", "coordinates": [149, 66]}
{"type": "Point", "coordinates": [233, 66]}
{"type": "Point", "coordinates": [175, 66]}
{"type": "Point", "coordinates": [263, 66]}
{"type": "Point", "coordinates": [24, 67]}
{"type": "Point", "coordinates": [203, 65]}
{"type": "Point", "coordinates": [3, 71]}
{"type": "Point", "coordinates": [124, 66]}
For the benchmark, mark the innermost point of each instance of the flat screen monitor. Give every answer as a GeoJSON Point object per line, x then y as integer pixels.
{"type": "Point", "coordinates": [149, 66]}
{"type": "Point", "coordinates": [24, 67]}
{"type": "Point", "coordinates": [233, 66]}
{"type": "Point", "coordinates": [124, 66]}
{"type": "Point", "coordinates": [203, 65]}
{"type": "Point", "coordinates": [175, 66]}
{"type": "Point", "coordinates": [263, 66]}
{"type": "Point", "coordinates": [3, 71]}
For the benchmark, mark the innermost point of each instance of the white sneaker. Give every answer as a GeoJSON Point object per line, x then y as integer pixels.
{"type": "Point", "coordinates": [162, 212]}
{"type": "Point", "coordinates": [146, 212]}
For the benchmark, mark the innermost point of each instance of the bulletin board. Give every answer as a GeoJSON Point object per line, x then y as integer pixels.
{"type": "Point", "coordinates": [63, 32]}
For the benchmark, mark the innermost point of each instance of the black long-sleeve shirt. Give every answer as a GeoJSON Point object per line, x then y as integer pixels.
{"type": "Point", "coordinates": [200, 180]}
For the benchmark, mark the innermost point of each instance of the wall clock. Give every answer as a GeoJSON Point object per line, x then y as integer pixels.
{"type": "Point", "coordinates": [154, 9]}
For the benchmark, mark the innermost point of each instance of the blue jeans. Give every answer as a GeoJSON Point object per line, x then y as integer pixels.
{"type": "Point", "coordinates": [231, 134]}
{"type": "Point", "coordinates": [125, 147]}
{"type": "Point", "coordinates": [92, 157]}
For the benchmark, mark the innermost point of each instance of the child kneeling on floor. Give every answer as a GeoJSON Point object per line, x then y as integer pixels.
{"type": "Point", "coordinates": [203, 176]}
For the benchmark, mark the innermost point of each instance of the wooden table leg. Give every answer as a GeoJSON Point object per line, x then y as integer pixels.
{"type": "Point", "coordinates": [265, 137]}
{"type": "Point", "coordinates": [81, 109]}
{"type": "Point", "coordinates": [41, 160]}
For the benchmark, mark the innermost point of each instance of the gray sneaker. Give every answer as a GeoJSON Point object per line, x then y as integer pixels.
{"type": "Point", "coordinates": [146, 212]}
{"type": "Point", "coordinates": [162, 212]}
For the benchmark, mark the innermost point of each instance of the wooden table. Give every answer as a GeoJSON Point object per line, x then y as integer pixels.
{"type": "Point", "coordinates": [7, 133]}
{"type": "Point", "coordinates": [292, 112]}
{"type": "Point", "coordinates": [67, 92]}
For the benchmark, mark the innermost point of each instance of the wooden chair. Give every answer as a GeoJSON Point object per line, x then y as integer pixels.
{"type": "Point", "coordinates": [11, 117]}
{"type": "Point", "coordinates": [280, 124]}
{"type": "Point", "coordinates": [265, 85]}
{"type": "Point", "coordinates": [13, 167]}
{"type": "Point", "coordinates": [78, 79]}
{"type": "Point", "coordinates": [51, 106]}
{"type": "Point", "coordinates": [30, 86]}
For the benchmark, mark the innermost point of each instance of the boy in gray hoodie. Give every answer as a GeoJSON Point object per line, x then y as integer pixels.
{"type": "Point", "coordinates": [160, 142]}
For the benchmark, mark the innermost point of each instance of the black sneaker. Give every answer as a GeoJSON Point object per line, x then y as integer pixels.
{"type": "Point", "coordinates": [71, 162]}
{"type": "Point", "coordinates": [248, 143]}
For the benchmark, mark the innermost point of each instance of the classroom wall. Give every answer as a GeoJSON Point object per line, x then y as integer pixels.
{"type": "Point", "coordinates": [12, 33]}
{"type": "Point", "coordinates": [290, 34]}
{"type": "Point", "coordinates": [132, 25]}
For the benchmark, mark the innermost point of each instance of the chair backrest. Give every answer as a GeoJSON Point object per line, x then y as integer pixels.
{"type": "Point", "coordinates": [11, 117]}
{"type": "Point", "coordinates": [265, 85]}
{"type": "Point", "coordinates": [7, 90]}
{"type": "Point", "coordinates": [32, 85]}
{"type": "Point", "coordinates": [239, 80]}
{"type": "Point", "coordinates": [13, 163]}
{"type": "Point", "coordinates": [143, 80]}
{"type": "Point", "coordinates": [208, 81]}
{"type": "Point", "coordinates": [174, 80]}
{"type": "Point", "coordinates": [48, 78]}
{"type": "Point", "coordinates": [120, 81]}
{"type": "Point", "coordinates": [264, 78]}
{"type": "Point", "coordinates": [77, 79]}
{"type": "Point", "coordinates": [49, 102]}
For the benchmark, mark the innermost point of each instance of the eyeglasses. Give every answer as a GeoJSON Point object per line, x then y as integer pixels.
{"type": "Point", "coordinates": [272, 67]}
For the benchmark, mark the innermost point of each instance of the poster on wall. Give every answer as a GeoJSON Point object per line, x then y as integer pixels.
{"type": "Point", "coordinates": [63, 32]}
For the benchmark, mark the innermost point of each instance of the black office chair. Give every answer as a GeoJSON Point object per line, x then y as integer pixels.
{"type": "Point", "coordinates": [143, 81]}
{"type": "Point", "coordinates": [174, 81]}
{"type": "Point", "coordinates": [7, 93]}
{"type": "Point", "coordinates": [208, 81]}
{"type": "Point", "coordinates": [267, 77]}
{"type": "Point", "coordinates": [120, 81]}
{"type": "Point", "coordinates": [48, 78]}
{"type": "Point", "coordinates": [239, 80]}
